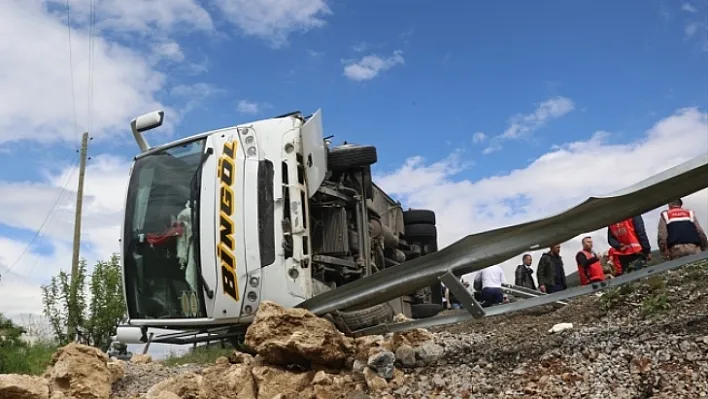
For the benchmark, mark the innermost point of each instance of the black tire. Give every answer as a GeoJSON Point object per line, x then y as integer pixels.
{"type": "Point", "coordinates": [418, 216]}
{"type": "Point", "coordinates": [421, 231]}
{"type": "Point", "coordinates": [425, 310]}
{"type": "Point", "coordinates": [358, 319]}
{"type": "Point", "coordinates": [351, 156]}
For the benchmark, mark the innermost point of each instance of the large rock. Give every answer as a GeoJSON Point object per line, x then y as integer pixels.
{"type": "Point", "coordinates": [370, 345]}
{"type": "Point", "coordinates": [272, 381]}
{"type": "Point", "coordinates": [413, 338]}
{"type": "Point", "coordinates": [139, 358]}
{"type": "Point", "coordinates": [117, 370]}
{"type": "Point", "coordinates": [296, 337]}
{"type": "Point", "coordinates": [79, 372]}
{"type": "Point", "coordinates": [184, 386]}
{"type": "Point", "coordinates": [227, 381]}
{"type": "Point", "coordinates": [13, 386]}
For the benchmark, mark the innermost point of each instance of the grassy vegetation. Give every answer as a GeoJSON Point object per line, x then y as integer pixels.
{"type": "Point", "coordinates": [31, 359]}
{"type": "Point", "coordinates": [200, 355]}
{"type": "Point", "coordinates": [650, 291]}
{"type": "Point", "coordinates": [655, 304]}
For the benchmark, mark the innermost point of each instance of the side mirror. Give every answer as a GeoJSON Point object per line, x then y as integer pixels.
{"type": "Point", "coordinates": [144, 123]}
{"type": "Point", "coordinates": [149, 121]}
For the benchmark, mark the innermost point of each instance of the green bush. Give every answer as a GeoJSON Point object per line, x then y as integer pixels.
{"type": "Point", "coordinates": [18, 356]}
{"type": "Point", "coordinates": [30, 359]}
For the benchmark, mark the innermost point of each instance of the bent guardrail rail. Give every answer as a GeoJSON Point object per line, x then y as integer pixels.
{"type": "Point", "coordinates": [477, 251]}
{"type": "Point", "coordinates": [460, 316]}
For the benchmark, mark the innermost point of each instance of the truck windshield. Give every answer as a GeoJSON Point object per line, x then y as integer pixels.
{"type": "Point", "coordinates": [161, 266]}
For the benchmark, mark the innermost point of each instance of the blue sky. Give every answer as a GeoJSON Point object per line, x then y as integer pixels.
{"type": "Point", "coordinates": [491, 113]}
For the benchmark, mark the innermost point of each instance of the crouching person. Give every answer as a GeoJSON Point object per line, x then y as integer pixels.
{"type": "Point", "coordinates": [589, 266]}
{"type": "Point", "coordinates": [488, 284]}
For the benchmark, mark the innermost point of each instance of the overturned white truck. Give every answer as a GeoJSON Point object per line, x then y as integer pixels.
{"type": "Point", "coordinates": [266, 210]}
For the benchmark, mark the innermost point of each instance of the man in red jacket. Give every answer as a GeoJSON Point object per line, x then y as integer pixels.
{"type": "Point", "coordinates": [589, 266]}
{"type": "Point", "coordinates": [629, 239]}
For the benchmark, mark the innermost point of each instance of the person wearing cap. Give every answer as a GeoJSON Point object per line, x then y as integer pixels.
{"type": "Point", "coordinates": [679, 232]}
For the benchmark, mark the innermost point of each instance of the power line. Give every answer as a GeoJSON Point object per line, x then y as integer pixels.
{"type": "Point", "coordinates": [92, 35]}
{"type": "Point", "coordinates": [71, 67]}
{"type": "Point", "coordinates": [46, 218]}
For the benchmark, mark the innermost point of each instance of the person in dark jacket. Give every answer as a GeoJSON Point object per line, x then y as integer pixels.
{"type": "Point", "coordinates": [550, 272]}
{"type": "Point", "coordinates": [524, 273]}
{"type": "Point", "coordinates": [679, 233]}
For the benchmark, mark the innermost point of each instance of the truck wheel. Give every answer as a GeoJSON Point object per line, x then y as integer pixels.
{"type": "Point", "coordinates": [347, 321]}
{"type": "Point", "coordinates": [418, 216]}
{"type": "Point", "coordinates": [425, 310]}
{"type": "Point", "coordinates": [351, 156]}
{"type": "Point", "coordinates": [421, 231]}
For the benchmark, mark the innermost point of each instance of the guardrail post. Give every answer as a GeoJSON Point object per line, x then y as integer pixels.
{"type": "Point", "coordinates": [460, 292]}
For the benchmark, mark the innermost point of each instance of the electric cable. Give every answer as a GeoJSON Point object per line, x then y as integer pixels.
{"type": "Point", "coordinates": [45, 221]}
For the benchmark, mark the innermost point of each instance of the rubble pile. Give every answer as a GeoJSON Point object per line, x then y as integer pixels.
{"type": "Point", "coordinates": [649, 340]}
{"type": "Point", "coordinates": [298, 356]}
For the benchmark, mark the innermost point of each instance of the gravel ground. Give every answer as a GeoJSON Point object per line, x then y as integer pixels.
{"type": "Point", "coordinates": [141, 377]}
{"type": "Point", "coordinates": [650, 340]}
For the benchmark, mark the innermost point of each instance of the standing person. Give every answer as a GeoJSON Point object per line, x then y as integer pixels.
{"type": "Point", "coordinates": [524, 273]}
{"type": "Point", "coordinates": [551, 275]}
{"type": "Point", "coordinates": [629, 238]}
{"type": "Point", "coordinates": [490, 281]}
{"type": "Point", "coordinates": [589, 267]}
{"type": "Point", "coordinates": [679, 232]}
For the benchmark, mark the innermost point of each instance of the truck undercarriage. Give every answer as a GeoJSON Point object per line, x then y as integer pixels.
{"type": "Point", "coordinates": [357, 230]}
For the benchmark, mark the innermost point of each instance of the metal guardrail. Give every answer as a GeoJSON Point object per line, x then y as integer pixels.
{"type": "Point", "coordinates": [525, 292]}
{"type": "Point", "coordinates": [478, 251]}
{"type": "Point", "coordinates": [461, 316]}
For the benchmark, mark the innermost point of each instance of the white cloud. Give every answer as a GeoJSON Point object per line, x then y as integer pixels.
{"type": "Point", "coordinates": [479, 137]}
{"type": "Point", "coordinates": [249, 107]}
{"type": "Point", "coordinates": [521, 125]}
{"type": "Point", "coordinates": [360, 47]}
{"type": "Point", "coordinates": [553, 182]}
{"type": "Point", "coordinates": [492, 148]}
{"type": "Point", "coordinates": [193, 96]}
{"type": "Point", "coordinates": [688, 8]}
{"type": "Point", "coordinates": [693, 28]}
{"type": "Point", "coordinates": [168, 50]}
{"type": "Point", "coordinates": [552, 108]}
{"type": "Point", "coordinates": [369, 67]}
{"type": "Point", "coordinates": [36, 93]}
{"type": "Point", "coordinates": [24, 205]}
{"type": "Point", "coordinates": [144, 17]}
{"type": "Point", "coordinates": [275, 20]}
{"type": "Point", "coordinates": [314, 53]}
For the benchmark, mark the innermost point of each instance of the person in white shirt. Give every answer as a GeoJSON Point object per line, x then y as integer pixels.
{"type": "Point", "coordinates": [488, 284]}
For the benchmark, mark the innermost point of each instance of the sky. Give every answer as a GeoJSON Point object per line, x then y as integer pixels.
{"type": "Point", "coordinates": [489, 113]}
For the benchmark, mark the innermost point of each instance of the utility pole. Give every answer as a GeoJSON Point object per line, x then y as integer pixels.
{"type": "Point", "coordinates": [72, 316]}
